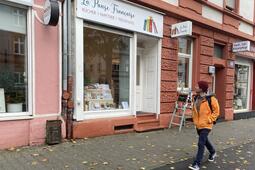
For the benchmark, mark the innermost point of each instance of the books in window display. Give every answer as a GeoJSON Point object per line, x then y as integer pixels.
{"type": "Point", "coordinates": [98, 99]}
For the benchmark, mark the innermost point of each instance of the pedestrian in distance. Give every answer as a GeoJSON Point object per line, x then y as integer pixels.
{"type": "Point", "coordinates": [205, 112]}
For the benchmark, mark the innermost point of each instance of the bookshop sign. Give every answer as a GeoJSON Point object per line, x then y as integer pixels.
{"type": "Point", "coordinates": [122, 15]}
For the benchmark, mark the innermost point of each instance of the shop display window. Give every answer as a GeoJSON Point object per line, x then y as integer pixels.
{"type": "Point", "coordinates": [106, 70]}
{"type": "Point", "coordinates": [241, 87]}
{"type": "Point", "coordinates": [13, 60]}
{"type": "Point", "coordinates": [184, 63]}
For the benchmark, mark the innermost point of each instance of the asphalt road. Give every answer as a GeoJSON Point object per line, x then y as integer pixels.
{"type": "Point", "coordinates": [240, 157]}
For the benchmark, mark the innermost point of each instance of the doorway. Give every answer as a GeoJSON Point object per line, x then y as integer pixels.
{"type": "Point", "coordinates": [219, 88]}
{"type": "Point", "coordinates": [146, 74]}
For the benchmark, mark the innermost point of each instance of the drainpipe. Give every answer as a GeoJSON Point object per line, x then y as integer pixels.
{"type": "Point", "coordinates": [67, 98]}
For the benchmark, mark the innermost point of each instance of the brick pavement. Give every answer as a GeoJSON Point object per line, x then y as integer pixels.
{"type": "Point", "coordinates": [126, 151]}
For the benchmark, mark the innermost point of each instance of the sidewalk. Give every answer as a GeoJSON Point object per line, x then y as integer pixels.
{"type": "Point", "coordinates": [126, 151]}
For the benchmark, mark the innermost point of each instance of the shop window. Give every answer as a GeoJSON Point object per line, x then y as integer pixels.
{"type": "Point", "coordinates": [184, 63]}
{"type": "Point", "coordinates": [13, 60]}
{"type": "Point", "coordinates": [241, 87]}
{"type": "Point", "coordinates": [108, 87]}
{"type": "Point", "coordinates": [218, 50]}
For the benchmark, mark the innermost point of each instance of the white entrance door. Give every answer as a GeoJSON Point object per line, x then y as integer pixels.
{"type": "Point", "coordinates": [138, 82]}
{"type": "Point", "coordinates": [149, 81]}
{"type": "Point", "coordinates": [146, 74]}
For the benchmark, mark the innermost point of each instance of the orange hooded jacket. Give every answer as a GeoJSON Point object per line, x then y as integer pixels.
{"type": "Point", "coordinates": [205, 117]}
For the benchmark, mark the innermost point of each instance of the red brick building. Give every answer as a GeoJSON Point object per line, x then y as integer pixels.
{"type": "Point", "coordinates": [145, 69]}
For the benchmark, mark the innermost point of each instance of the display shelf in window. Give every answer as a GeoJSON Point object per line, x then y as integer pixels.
{"type": "Point", "coordinates": [98, 97]}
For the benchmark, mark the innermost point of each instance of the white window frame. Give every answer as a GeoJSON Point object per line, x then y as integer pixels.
{"type": "Point", "coordinates": [79, 113]}
{"type": "Point", "coordinates": [190, 57]}
{"type": "Point", "coordinates": [244, 62]}
{"type": "Point", "coordinates": [28, 114]}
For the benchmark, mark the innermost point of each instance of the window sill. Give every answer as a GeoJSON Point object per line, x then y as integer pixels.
{"type": "Point", "coordinates": [9, 118]}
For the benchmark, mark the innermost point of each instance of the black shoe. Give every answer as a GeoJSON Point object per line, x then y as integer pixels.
{"type": "Point", "coordinates": [212, 157]}
{"type": "Point", "coordinates": [194, 167]}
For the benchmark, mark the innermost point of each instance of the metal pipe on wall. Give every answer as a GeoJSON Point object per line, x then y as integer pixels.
{"type": "Point", "coordinates": [67, 104]}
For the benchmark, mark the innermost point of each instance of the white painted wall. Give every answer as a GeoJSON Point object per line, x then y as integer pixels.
{"type": "Point", "coordinates": [212, 14]}
{"type": "Point", "coordinates": [247, 9]}
{"type": "Point", "coordinates": [246, 28]}
{"type": "Point", "coordinates": [173, 2]}
{"type": "Point", "coordinates": [217, 2]}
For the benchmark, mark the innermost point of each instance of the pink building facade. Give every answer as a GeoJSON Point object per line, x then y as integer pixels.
{"type": "Point", "coordinates": [30, 62]}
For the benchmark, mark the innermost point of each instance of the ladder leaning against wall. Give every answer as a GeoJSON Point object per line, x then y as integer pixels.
{"type": "Point", "coordinates": [182, 109]}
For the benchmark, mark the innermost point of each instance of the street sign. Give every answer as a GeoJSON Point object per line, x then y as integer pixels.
{"type": "Point", "coordinates": [241, 46]}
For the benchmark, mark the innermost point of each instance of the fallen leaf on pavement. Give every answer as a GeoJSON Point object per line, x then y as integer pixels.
{"type": "Point", "coordinates": [11, 149]}
{"type": "Point", "coordinates": [44, 160]}
{"type": "Point", "coordinates": [34, 163]}
{"type": "Point", "coordinates": [73, 141]}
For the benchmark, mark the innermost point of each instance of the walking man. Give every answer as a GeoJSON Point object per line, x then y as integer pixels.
{"type": "Point", "coordinates": [205, 112]}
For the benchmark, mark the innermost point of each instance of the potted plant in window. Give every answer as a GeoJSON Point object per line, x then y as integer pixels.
{"type": "Point", "coordinates": [7, 82]}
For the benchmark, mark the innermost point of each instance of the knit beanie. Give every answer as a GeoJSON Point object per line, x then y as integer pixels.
{"type": "Point", "coordinates": [203, 85]}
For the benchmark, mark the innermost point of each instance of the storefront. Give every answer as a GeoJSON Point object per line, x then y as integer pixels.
{"type": "Point", "coordinates": [243, 79]}
{"type": "Point", "coordinates": [118, 49]}
{"type": "Point", "coordinates": [28, 97]}
{"type": "Point", "coordinates": [242, 86]}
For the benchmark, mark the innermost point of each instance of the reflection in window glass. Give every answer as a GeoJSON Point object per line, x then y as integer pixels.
{"type": "Point", "coordinates": [184, 45]}
{"type": "Point", "coordinates": [183, 72]}
{"type": "Point", "coordinates": [107, 89]}
{"type": "Point", "coordinates": [13, 60]}
{"type": "Point", "coordinates": [241, 87]}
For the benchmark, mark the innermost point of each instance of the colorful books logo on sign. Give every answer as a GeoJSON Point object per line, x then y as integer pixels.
{"type": "Point", "coordinates": [149, 25]}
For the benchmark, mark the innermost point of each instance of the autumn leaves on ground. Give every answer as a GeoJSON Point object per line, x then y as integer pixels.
{"type": "Point", "coordinates": [163, 149]}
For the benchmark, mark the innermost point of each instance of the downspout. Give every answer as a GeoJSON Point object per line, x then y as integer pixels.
{"type": "Point", "coordinates": [70, 105]}
{"type": "Point", "coordinates": [67, 104]}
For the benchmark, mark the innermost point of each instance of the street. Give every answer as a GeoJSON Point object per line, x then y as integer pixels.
{"type": "Point", "coordinates": [235, 158]}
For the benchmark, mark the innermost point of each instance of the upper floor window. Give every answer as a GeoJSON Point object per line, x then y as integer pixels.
{"type": "Point", "coordinates": [231, 5]}
{"type": "Point", "coordinates": [218, 50]}
{"type": "Point", "coordinates": [173, 2]}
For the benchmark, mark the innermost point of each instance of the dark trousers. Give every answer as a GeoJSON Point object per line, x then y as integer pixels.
{"type": "Point", "coordinates": [202, 142]}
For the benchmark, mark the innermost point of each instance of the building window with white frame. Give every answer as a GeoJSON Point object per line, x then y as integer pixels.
{"type": "Point", "coordinates": [13, 60]}
{"type": "Point", "coordinates": [184, 63]}
{"type": "Point", "coordinates": [241, 87]}
{"type": "Point", "coordinates": [107, 87]}
{"type": "Point", "coordinates": [231, 5]}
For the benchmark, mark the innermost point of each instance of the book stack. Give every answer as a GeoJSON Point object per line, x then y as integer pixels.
{"type": "Point", "coordinates": [149, 25]}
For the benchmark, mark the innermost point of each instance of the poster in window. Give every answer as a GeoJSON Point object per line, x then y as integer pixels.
{"type": "Point", "coordinates": [2, 101]}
